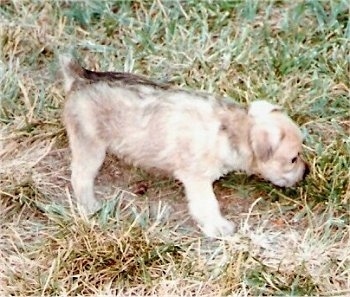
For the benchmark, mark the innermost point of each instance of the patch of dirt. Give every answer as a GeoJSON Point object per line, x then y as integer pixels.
{"type": "Point", "coordinates": [156, 186]}
{"type": "Point", "coordinates": [143, 187]}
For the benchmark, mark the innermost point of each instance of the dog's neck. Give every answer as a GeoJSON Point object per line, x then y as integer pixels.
{"type": "Point", "coordinates": [236, 124]}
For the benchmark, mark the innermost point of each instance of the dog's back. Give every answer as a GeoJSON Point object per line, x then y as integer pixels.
{"type": "Point", "coordinates": [74, 73]}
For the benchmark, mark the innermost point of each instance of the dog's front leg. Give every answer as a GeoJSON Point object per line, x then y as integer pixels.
{"type": "Point", "coordinates": [204, 206]}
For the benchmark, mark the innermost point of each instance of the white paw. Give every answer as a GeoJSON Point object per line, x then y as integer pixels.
{"type": "Point", "coordinates": [218, 227]}
{"type": "Point", "coordinates": [89, 209]}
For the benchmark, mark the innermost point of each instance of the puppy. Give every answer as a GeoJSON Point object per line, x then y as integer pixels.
{"type": "Point", "coordinates": [195, 137]}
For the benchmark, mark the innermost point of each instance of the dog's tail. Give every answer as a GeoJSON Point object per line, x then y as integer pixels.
{"type": "Point", "coordinates": [71, 71]}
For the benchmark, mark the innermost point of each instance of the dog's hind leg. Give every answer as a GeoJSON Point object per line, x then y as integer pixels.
{"type": "Point", "coordinates": [87, 158]}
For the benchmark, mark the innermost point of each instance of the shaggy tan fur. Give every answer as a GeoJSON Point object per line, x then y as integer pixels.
{"type": "Point", "coordinates": [195, 137]}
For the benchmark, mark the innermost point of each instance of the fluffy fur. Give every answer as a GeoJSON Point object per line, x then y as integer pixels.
{"type": "Point", "coordinates": [195, 137]}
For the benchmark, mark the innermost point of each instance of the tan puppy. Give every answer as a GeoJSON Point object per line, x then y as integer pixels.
{"type": "Point", "coordinates": [195, 137]}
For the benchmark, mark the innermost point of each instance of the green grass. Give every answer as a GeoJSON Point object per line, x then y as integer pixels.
{"type": "Point", "coordinates": [289, 242]}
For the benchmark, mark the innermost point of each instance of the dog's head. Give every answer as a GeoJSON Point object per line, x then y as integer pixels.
{"type": "Point", "coordinates": [277, 144]}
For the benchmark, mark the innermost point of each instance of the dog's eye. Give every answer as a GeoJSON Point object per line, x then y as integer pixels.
{"type": "Point", "coordinates": [294, 159]}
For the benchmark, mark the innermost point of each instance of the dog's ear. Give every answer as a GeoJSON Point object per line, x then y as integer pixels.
{"type": "Point", "coordinates": [264, 141]}
{"type": "Point", "coordinates": [261, 108]}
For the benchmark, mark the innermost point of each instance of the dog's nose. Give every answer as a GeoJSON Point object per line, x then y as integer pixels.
{"type": "Point", "coordinates": [306, 170]}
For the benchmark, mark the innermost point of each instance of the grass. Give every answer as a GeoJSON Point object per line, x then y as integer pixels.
{"type": "Point", "coordinates": [289, 242]}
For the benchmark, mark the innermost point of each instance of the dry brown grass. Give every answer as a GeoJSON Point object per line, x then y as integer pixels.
{"type": "Point", "coordinates": [142, 242]}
